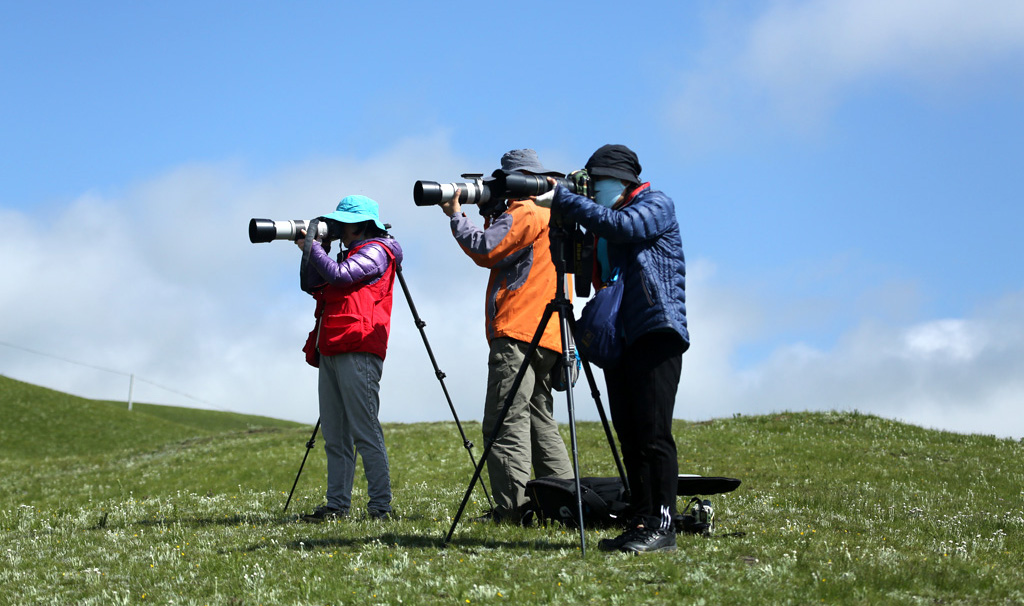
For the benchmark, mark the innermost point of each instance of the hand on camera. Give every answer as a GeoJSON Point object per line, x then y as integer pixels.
{"type": "Point", "coordinates": [451, 207]}
{"type": "Point", "coordinates": [545, 199]}
{"type": "Point", "coordinates": [301, 242]}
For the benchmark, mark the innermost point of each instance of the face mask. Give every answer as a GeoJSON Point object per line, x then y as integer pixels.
{"type": "Point", "coordinates": [608, 191]}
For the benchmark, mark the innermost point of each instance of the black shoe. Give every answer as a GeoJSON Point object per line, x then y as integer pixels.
{"type": "Point", "coordinates": [617, 543]}
{"type": "Point", "coordinates": [650, 540]}
{"type": "Point", "coordinates": [325, 513]}
{"type": "Point", "coordinates": [376, 514]}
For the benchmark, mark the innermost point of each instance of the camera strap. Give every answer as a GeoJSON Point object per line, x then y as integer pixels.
{"type": "Point", "coordinates": [311, 232]}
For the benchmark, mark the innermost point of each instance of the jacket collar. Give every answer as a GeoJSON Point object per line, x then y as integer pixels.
{"type": "Point", "coordinates": [632, 196]}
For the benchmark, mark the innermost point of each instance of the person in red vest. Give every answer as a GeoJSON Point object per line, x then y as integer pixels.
{"type": "Point", "coordinates": [348, 345]}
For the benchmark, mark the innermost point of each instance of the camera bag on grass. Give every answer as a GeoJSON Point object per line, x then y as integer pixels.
{"type": "Point", "coordinates": [698, 517]}
{"type": "Point", "coordinates": [692, 485]}
{"type": "Point", "coordinates": [598, 337]}
{"type": "Point", "coordinates": [605, 505]}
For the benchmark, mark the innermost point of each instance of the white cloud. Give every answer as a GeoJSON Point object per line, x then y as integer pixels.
{"type": "Point", "coordinates": [800, 58]}
{"type": "Point", "coordinates": [816, 48]}
{"type": "Point", "coordinates": [955, 340]}
{"type": "Point", "coordinates": [964, 374]}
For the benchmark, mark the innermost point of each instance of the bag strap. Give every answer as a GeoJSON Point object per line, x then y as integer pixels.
{"type": "Point", "coordinates": [591, 498]}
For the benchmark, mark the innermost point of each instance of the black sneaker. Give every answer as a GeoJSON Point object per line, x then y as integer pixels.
{"type": "Point", "coordinates": [325, 513]}
{"type": "Point", "coordinates": [377, 514]}
{"type": "Point", "coordinates": [617, 543]}
{"type": "Point", "coordinates": [650, 540]}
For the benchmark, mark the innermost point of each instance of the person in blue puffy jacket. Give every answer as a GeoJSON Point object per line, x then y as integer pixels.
{"type": "Point", "coordinates": [637, 234]}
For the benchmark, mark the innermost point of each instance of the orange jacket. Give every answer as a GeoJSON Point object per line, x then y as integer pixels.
{"type": "Point", "coordinates": [516, 249]}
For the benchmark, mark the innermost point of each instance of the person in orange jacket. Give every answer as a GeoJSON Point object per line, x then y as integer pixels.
{"type": "Point", "coordinates": [514, 246]}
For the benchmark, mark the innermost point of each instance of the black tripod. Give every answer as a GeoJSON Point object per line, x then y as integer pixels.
{"type": "Point", "coordinates": [437, 372]}
{"type": "Point", "coordinates": [561, 254]}
{"type": "Point", "coordinates": [466, 443]}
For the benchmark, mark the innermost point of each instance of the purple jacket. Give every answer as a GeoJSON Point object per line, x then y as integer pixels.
{"type": "Point", "coordinates": [365, 265]}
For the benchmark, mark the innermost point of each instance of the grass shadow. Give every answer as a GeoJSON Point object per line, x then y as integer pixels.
{"type": "Point", "coordinates": [199, 522]}
{"type": "Point", "coordinates": [419, 541]}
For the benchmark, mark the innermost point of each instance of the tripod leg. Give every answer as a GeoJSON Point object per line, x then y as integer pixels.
{"type": "Point", "coordinates": [499, 423]}
{"type": "Point", "coordinates": [438, 373]}
{"type": "Point", "coordinates": [596, 393]}
{"type": "Point", "coordinates": [309, 446]}
{"type": "Point", "coordinates": [566, 361]}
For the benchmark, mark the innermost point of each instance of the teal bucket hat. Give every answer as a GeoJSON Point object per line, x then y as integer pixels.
{"type": "Point", "coordinates": [356, 209]}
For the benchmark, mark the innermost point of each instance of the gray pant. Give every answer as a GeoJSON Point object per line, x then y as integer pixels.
{"type": "Point", "coordinates": [529, 436]}
{"type": "Point", "coordinates": [349, 403]}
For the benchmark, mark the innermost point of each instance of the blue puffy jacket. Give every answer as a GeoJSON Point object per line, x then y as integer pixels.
{"type": "Point", "coordinates": [643, 240]}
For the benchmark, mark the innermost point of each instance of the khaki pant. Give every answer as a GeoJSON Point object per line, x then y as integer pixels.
{"type": "Point", "coordinates": [529, 435]}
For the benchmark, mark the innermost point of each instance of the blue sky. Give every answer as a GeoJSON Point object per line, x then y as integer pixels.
{"type": "Point", "coordinates": [847, 178]}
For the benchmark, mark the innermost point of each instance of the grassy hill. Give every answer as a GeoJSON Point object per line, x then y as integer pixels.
{"type": "Point", "coordinates": [40, 423]}
{"type": "Point", "coordinates": [836, 508]}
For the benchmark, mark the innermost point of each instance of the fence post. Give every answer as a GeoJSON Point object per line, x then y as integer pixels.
{"type": "Point", "coordinates": [131, 387]}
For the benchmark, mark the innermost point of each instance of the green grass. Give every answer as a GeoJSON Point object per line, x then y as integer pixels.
{"type": "Point", "coordinates": [835, 508]}
{"type": "Point", "coordinates": [42, 423]}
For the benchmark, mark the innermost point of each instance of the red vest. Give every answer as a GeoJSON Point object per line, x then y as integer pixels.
{"type": "Point", "coordinates": [353, 318]}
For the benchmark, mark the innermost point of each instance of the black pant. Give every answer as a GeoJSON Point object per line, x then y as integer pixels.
{"type": "Point", "coordinates": [641, 397]}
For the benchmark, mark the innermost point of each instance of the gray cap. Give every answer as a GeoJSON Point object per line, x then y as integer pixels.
{"type": "Point", "coordinates": [525, 161]}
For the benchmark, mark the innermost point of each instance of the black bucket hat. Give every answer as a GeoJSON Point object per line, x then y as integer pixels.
{"type": "Point", "coordinates": [525, 160]}
{"type": "Point", "coordinates": [616, 161]}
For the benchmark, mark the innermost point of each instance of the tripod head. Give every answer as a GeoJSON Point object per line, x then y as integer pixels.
{"type": "Point", "coordinates": [572, 252]}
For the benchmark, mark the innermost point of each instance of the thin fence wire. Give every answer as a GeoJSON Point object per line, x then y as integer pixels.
{"type": "Point", "coordinates": [113, 371]}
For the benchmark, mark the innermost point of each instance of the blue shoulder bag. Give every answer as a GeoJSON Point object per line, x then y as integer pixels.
{"type": "Point", "coordinates": [598, 334]}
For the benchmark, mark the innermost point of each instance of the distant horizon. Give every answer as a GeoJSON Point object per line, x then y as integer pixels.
{"type": "Point", "coordinates": [312, 422]}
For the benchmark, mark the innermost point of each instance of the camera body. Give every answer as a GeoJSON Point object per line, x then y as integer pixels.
{"type": "Point", "coordinates": [572, 252]}
{"type": "Point", "coordinates": [268, 230]}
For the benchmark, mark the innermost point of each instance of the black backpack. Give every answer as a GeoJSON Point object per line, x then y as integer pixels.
{"type": "Point", "coordinates": [605, 505]}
